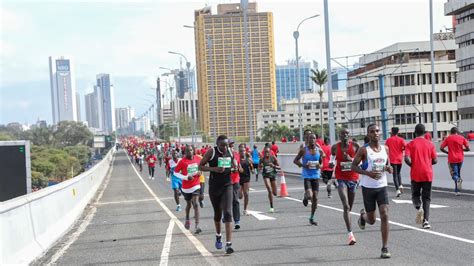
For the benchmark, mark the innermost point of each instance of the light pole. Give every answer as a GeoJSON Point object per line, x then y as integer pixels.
{"type": "Point", "coordinates": [321, 90]}
{"type": "Point", "coordinates": [433, 93]}
{"type": "Point", "coordinates": [332, 129]}
{"type": "Point", "coordinates": [244, 4]}
{"type": "Point", "coordinates": [193, 103]}
{"type": "Point", "coordinates": [296, 35]}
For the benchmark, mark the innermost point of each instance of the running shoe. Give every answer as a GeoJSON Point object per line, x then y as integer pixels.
{"type": "Point", "coordinates": [399, 192]}
{"type": "Point", "coordinates": [426, 225]}
{"type": "Point", "coordinates": [237, 225]}
{"type": "Point", "coordinates": [305, 200]}
{"type": "Point", "coordinates": [187, 224]}
{"type": "Point", "coordinates": [361, 220]}
{"type": "Point", "coordinates": [197, 231]}
{"type": "Point", "coordinates": [228, 249]}
{"type": "Point", "coordinates": [178, 208]}
{"type": "Point", "coordinates": [459, 184]}
{"type": "Point", "coordinates": [246, 213]}
{"type": "Point", "coordinates": [352, 239]}
{"type": "Point", "coordinates": [312, 222]}
{"type": "Point", "coordinates": [201, 203]}
{"type": "Point", "coordinates": [152, 178]}
{"type": "Point", "coordinates": [218, 242]}
{"type": "Point", "coordinates": [271, 210]}
{"type": "Point", "coordinates": [329, 195]}
{"type": "Point", "coordinates": [458, 194]}
{"type": "Point", "coordinates": [385, 254]}
{"type": "Point", "coordinates": [168, 179]}
{"type": "Point", "coordinates": [419, 216]}
{"type": "Point", "coordinates": [401, 188]}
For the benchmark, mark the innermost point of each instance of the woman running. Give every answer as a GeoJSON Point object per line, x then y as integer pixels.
{"type": "Point", "coordinates": [246, 168]}
{"type": "Point", "coordinates": [269, 165]}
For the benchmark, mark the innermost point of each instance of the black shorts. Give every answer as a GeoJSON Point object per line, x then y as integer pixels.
{"type": "Point", "coordinates": [189, 196]}
{"type": "Point", "coordinates": [244, 179]}
{"type": "Point", "coordinates": [272, 178]}
{"type": "Point", "coordinates": [311, 183]}
{"type": "Point", "coordinates": [374, 195]}
{"type": "Point", "coordinates": [326, 175]}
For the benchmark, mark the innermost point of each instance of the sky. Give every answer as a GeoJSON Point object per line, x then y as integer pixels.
{"type": "Point", "coordinates": [130, 40]}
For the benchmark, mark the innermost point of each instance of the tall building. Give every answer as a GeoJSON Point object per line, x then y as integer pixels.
{"type": "Point", "coordinates": [123, 117]}
{"type": "Point", "coordinates": [463, 24]}
{"type": "Point", "coordinates": [90, 105]}
{"type": "Point", "coordinates": [405, 70]}
{"type": "Point", "coordinates": [63, 89]}
{"type": "Point", "coordinates": [286, 83]}
{"type": "Point", "coordinates": [223, 106]}
{"type": "Point", "coordinates": [107, 119]}
{"type": "Point", "coordinates": [184, 106]}
{"type": "Point", "coordinates": [78, 105]}
{"type": "Point", "coordinates": [181, 80]}
{"type": "Point", "coordinates": [339, 78]}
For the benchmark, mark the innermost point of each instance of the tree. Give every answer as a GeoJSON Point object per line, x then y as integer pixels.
{"type": "Point", "coordinates": [70, 133]}
{"type": "Point", "coordinates": [320, 78]}
{"type": "Point", "coordinates": [274, 131]}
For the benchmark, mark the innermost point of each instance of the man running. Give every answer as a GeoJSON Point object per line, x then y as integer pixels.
{"type": "Point", "coordinates": [275, 149]}
{"type": "Point", "coordinates": [343, 153]}
{"type": "Point", "coordinates": [246, 167]}
{"type": "Point", "coordinates": [187, 170]}
{"type": "Point", "coordinates": [420, 155]}
{"type": "Point", "coordinates": [327, 169]}
{"type": "Point", "coordinates": [220, 162]}
{"type": "Point", "coordinates": [310, 158]}
{"type": "Point", "coordinates": [396, 146]}
{"type": "Point", "coordinates": [151, 161]}
{"type": "Point", "coordinates": [457, 145]}
{"type": "Point", "coordinates": [255, 160]}
{"type": "Point", "coordinates": [373, 181]}
{"type": "Point", "coordinates": [269, 166]}
{"type": "Point", "coordinates": [176, 183]}
{"type": "Point", "coordinates": [235, 177]}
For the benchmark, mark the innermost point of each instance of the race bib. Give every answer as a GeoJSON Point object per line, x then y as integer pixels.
{"type": "Point", "coordinates": [346, 166]}
{"type": "Point", "coordinates": [378, 167]}
{"type": "Point", "coordinates": [268, 169]}
{"type": "Point", "coordinates": [224, 162]}
{"type": "Point", "coordinates": [192, 169]}
{"type": "Point", "coordinates": [313, 164]}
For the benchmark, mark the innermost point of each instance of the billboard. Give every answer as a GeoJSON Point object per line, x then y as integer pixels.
{"type": "Point", "coordinates": [15, 165]}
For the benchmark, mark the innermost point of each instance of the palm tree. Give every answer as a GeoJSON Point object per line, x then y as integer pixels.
{"type": "Point", "coordinates": [320, 78]}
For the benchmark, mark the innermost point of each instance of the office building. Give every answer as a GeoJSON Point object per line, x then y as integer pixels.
{"type": "Point", "coordinates": [63, 89]}
{"type": "Point", "coordinates": [405, 70]}
{"type": "Point", "coordinates": [78, 106]}
{"type": "Point", "coordinates": [123, 117]}
{"type": "Point", "coordinates": [339, 78]}
{"type": "Point", "coordinates": [107, 104]}
{"type": "Point", "coordinates": [286, 80]}
{"type": "Point", "coordinates": [221, 73]}
{"type": "Point", "coordinates": [463, 24]}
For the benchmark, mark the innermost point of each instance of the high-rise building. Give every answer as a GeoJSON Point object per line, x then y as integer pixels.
{"type": "Point", "coordinates": [123, 117]}
{"type": "Point", "coordinates": [339, 78]}
{"type": "Point", "coordinates": [78, 106]}
{"type": "Point", "coordinates": [405, 71]}
{"type": "Point", "coordinates": [463, 24]}
{"type": "Point", "coordinates": [286, 83]}
{"type": "Point", "coordinates": [220, 53]}
{"type": "Point", "coordinates": [63, 89]}
{"type": "Point", "coordinates": [107, 119]}
{"type": "Point", "coordinates": [90, 105]}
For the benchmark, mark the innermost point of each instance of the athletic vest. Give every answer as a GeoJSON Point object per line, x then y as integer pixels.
{"type": "Point", "coordinates": [343, 168]}
{"type": "Point", "coordinates": [375, 161]}
{"type": "Point", "coordinates": [312, 172]}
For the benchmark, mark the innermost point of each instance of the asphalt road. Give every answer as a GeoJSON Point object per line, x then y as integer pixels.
{"type": "Point", "coordinates": [133, 221]}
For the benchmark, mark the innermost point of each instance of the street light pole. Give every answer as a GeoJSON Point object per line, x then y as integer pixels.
{"type": "Point", "coordinates": [332, 130]}
{"type": "Point", "coordinates": [296, 35]}
{"type": "Point", "coordinates": [244, 5]}
{"type": "Point", "coordinates": [433, 93]}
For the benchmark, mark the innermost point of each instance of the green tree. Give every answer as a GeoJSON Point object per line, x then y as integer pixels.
{"type": "Point", "coordinates": [320, 78]}
{"type": "Point", "coordinates": [274, 131]}
{"type": "Point", "coordinates": [70, 133]}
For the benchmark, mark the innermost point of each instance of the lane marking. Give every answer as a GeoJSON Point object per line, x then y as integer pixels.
{"type": "Point", "coordinates": [398, 224]}
{"type": "Point", "coordinates": [264, 190]}
{"type": "Point", "coordinates": [260, 216]}
{"type": "Point", "coordinates": [434, 206]}
{"type": "Point", "coordinates": [251, 189]}
{"type": "Point", "coordinates": [123, 201]}
{"type": "Point", "coordinates": [85, 222]}
{"type": "Point", "coordinates": [197, 244]}
{"type": "Point", "coordinates": [165, 252]}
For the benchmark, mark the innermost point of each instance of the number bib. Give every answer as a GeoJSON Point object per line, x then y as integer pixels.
{"type": "Point", "coordinates": [346, 166]}
{"type": "Point", "coordinates": [192, 169]}
{"type": "Point", "coordinates": [378, 167]}
{"type": "Point", "coordinates": [224, 162]}
{"type": "Point", "coordinates": [313, 164]}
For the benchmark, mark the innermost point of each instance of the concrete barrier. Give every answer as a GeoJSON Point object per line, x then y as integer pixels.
{"type": "Point", "coordinates": [32, 223]}
{"type": "Point", "coordinates": [442, 178]}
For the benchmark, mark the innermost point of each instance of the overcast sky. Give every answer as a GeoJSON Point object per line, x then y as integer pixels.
{"type": "Point", "coordinates": [130, 39]}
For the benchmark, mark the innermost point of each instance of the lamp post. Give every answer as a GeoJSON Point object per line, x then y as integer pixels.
{"type": "Point", "coordinates": [321, 90]}
{"type": "Point", "coordinates": [296, 35]}
{"type": "Point", "coordinates": [193, 103]}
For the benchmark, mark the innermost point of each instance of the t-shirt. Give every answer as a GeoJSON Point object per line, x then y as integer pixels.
{"type": "Point", "coordinates": [455, 144]}
{"type": "Point", "coordinates": [428, 136]}
{"type": "Point", "coordinates": [275, 149]}
{"type": "Point", "coordinates": [234, 175]}
{"type": "Point", "coordinates": [470, 136]}
{"type": "Point", "coordinates": [151, 160]}
{"type": "Point", "coordinates": [187, 167]}
{"type": "Point", "coordinates": [395, 145]}
{"type": "Point", "coordinates": [327, 151]}
{"type": "Point", "coordinates": [262, 153]}
{"type": "Point", "coordinates": [422, 152]}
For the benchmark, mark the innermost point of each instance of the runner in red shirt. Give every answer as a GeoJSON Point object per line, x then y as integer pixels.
{"type": "Point", "coordinates": [187, 170]}
{"type": "Point", "coordinates": [275, 149]}
{"type": "Point", "coordinates": [470, 136]}
{"type": "Point", "coordinates": [267, 145]}
{"type": "Point", "coordinates": [235, 177]}
{"type": "Point", "coordinates": [326, 170]}
{"type": "Point", "coordinates": [151, 161]}
{"type": "Point", "coordinates": [457, 145]}
{"type": "Point", "coordinates": [427, 136]}
{"type": "Point", "coordinates": [396, 147]}
{"type": "Point", "coordinates": [420, 155]}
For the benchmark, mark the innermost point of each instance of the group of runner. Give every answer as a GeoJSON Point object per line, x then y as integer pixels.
{"type": "Point", "coordinates": [354, 166]}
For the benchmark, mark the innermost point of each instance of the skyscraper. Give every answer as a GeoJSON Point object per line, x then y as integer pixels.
{"type": "Point", "coordinates": [78, 106]}
{"type": "Point", "coordinates": [123, 116]}
{"type": "Point", "coordinates": [220, 53]}
{"type": "Point", "coordinates": [106, 103]}
{"type": "Point", "coordinates": [63, 89]}
{"type": "Point", "coordinates": [286, 80]}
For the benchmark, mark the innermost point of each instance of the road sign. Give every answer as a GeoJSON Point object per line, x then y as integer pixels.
{"type": "Point", "coordinates": [99, 141]}
{"type": "Point", "coordinates": [15, 165]}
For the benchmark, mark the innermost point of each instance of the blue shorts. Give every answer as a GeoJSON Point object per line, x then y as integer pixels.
{"type": "Point", "coordinates": [350, 185]}
{"type": "Point", "coordinates": [176, 183]}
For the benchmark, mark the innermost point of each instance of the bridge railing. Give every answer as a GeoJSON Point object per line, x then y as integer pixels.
{"type": "Point", "coordinates": [32, 223]}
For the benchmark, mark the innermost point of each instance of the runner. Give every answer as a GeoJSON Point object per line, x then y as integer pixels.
{"type": "Point", "coordinates": [310, 158]}
{"type": "Point", "coordinates": [374, 183]}
{"type": "Point", "coordinates": [457, 145]}
{"type": "Point", "coordinates": [269, 165]}
{"type": "Point", "coordinates": [275, 149]}
{"type": "Point", "coordinates": [245, 170]}
{"type": "Point", "coordinates": [220, 162]}
{"type": "Point", "coordinates": [235, 177]}
{"type": "Point", "coordinates": [141, 158]}
{"type": "Point", "coordinates": [420, 155]}
{"type": "Point", "coordinates": [256, 161]}
{"type": "Point", "coordinates": [151, 160]}
{"type": "Point", "coordinates": [187, 170]}
{"type": "Point", "coordinates": [160, 158]}
{"type": "Point", "coordinates": [327, 169]}
{"type": "Point", "coordinates": [176, 183]}
{"type": "Point", "coordinates": [343, 153]}
{"type": "Point", "coordinates": [396, 146]}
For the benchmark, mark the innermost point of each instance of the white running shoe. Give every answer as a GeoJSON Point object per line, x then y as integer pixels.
{"type": "Point", "coordinates": [399, 193]}
{"type": "Point", "coordinates": [401, 188]}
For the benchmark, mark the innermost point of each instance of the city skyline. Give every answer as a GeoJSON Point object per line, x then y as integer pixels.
{"type": "Point", "coordinates": [112, 42]}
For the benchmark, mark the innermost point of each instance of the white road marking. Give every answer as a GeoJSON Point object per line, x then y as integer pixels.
{"type": "Point", "coordinates": [87, 220]}
{"type": "Point", "coordinates": [124, 201]}
{"type": "Point", "coordinates": [251, 189]}
{"type": "Point", "coordinates": [399, 224]}
{"type": "Point", "coordinates": [199, 246]}
{"type": "Point", "coordinates": [434, 206]}
{"type": "Point", "coordinates": [260, 216]}
{"type": "Point", "coordinates": [264, 190]}
{"type": "Point", "coordinates": [167, 245]}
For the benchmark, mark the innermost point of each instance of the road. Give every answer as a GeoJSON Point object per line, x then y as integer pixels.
{"type": "Point", "coordinates": [133, 221]}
